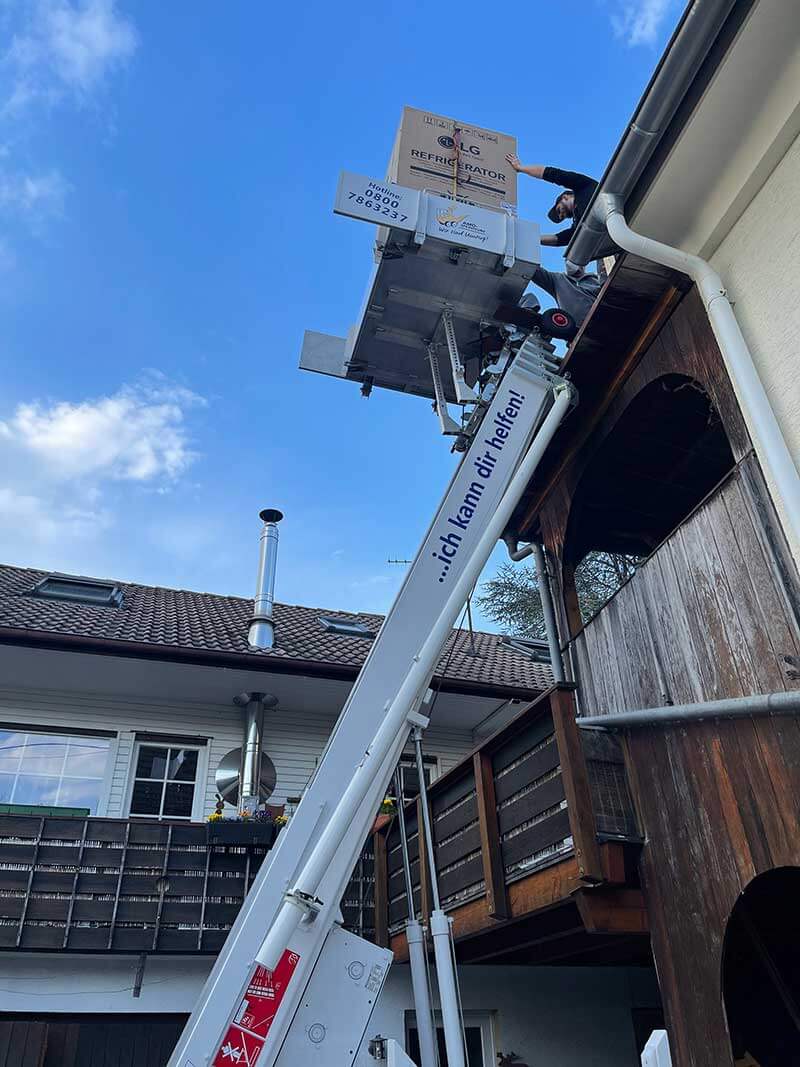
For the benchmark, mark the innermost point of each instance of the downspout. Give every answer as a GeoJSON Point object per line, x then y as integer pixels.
{"type": "Point", "coordinates": [769, 442]}
{"type": "Point", "coordinates": [517, 554]}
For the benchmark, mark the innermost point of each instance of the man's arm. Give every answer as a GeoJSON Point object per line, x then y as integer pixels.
{"type": "Point", "coordinates": [535, 170]}
{"type": "Point", "coordinates": [569, 179]}
{"type": "Point", "coordinates": [557, 240]}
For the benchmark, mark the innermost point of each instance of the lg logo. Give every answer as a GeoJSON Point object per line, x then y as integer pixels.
{"type": "Point", "coordinates": [447, 142]}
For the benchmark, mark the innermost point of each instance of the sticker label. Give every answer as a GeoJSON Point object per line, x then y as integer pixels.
{"type": "Point", "coordinates": [247, 1033]}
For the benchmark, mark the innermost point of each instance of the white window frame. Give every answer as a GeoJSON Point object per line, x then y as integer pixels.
{"type": "Point", "coordinates": [60, 731]}
{"type": "Point", "coordinates": [200, 782]}
{"type": "Point", "coordinates": [484, 1020]}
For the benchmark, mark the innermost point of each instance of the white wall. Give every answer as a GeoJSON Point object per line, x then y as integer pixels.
{"type": "Point", "coordinates": [759, 261]}
{"type": "Point", "coordinates": [293, 740]}
{"type": "Point", "coordinates": [550, 1016]}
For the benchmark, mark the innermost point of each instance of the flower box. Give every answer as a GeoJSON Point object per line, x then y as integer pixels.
{"type": "Point", "coordinates": [242, 832]}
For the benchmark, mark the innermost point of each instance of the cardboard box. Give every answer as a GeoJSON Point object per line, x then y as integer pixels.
{"type": "Point", "coordinates": [470, 164]}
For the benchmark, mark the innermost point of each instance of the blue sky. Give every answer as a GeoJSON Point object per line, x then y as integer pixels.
{"type": "Point", "coordinates": [167, 173]}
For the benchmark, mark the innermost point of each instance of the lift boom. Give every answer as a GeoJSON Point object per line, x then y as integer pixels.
{"type": "Point", "coordinates": [290, 985]}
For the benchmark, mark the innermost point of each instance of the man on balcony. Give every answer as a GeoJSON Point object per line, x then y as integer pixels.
{"type": "Point", "coordinates": [574, 290]}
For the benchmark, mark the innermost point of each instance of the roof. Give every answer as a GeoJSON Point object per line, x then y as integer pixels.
{"type": "Point", "coordinates": [163, 623]}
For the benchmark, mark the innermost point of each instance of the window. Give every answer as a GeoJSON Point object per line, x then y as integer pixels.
{"type": "Point", "coordinates": [409, 779]}
{"type": "Point", "coordinates": [82, 590]}
{"type": "Point", "coordinates": [164, 781]}
{"type": "Point", "coordinates": [335, 624]}
{"type": "Point", "coordinates": [477, 1031]}
{"type": "Point", "coordinates": [52, 769]}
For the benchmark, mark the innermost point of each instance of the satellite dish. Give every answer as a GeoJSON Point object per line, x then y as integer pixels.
{"type": "Point", "coordinates": [226, 776]}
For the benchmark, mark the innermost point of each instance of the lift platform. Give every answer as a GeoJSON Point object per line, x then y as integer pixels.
{"type": "Point", "coordinates": [441, 268]}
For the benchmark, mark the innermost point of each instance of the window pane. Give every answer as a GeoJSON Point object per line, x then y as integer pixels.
{"type": "Point", "coordinates": [86, 757]}
{"type": "Point", "coordinates": [43, 754]}
{"type": "Point", "coordinates": [182, 764]}
{"type": "Point", "coordinates": [178, 800]}
{"type": "Point", "coordinates": [6, 788]}
{"type": "Point", "coordinates": [32, 789]}
{"type": "Point", "coordinates": [152, 762]}
{"type": "Point", "coordinates": [75, 793]}
{"type": "Point", "coordinates": [146, 799]}
{"type": "Point", "coordinates": [474, 1046]}
{"type": "Point", "coordinates": [11, 748]}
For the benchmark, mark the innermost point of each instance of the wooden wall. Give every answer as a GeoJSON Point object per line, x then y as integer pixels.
{"type": "Point", "coordinates": [712, 613]}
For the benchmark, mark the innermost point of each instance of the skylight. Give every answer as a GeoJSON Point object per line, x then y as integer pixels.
{"type": "Point", "coordinates": [79, 590]}
{"type": "Point", "coordinates": [335, 624]}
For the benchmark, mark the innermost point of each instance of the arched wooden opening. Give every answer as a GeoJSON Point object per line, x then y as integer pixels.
{"type": "Point", "coordinates": [665, 453]}
{"type": "Point", "coordinates": [761, 971]}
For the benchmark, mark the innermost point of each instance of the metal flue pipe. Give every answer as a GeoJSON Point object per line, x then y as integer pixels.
{"type": "Point", "coordinates": [762, 704]}
{"type": "Point", "coordinates": [262, 628]}
{"type": "Point", "coordinates": [254, 704]}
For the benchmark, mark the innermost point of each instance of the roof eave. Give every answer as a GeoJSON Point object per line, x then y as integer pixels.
{"type": "Point", "coordinates": [59, 642]}
{"type": "Point", "coordinates": [684, 57]}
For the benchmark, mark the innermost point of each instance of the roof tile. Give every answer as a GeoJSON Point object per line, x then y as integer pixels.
{"type": "Point", "coordinates": [180, 618]}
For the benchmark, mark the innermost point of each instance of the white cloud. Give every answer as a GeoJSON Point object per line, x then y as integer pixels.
{"type": "Point", "coordinates": [138, 434]}
{"type": "Point", "coordinates": [64, 464]}
{"type": "Point", "coordinates": [37, 522]}
{"type": "Point", "coordinates": [65, 46]}
{"type": "Point", "coordinates": [638, 22]}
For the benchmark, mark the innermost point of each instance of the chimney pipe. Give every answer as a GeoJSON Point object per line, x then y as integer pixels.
{"type": "Point", "coordinates": [262, 628]}
{"type": "Point", "coordinates": [250, 772]}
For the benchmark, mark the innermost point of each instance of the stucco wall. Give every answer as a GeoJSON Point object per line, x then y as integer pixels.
{"type": "Point", "coordinates": [550, 1016]}
{"type": "Point", "coordinates": [759, 261]}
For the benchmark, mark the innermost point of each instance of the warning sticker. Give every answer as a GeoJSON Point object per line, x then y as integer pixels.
{"type": "Point", "coordinates": [254, 1016]}
{"type": "Point", "coordinates": [238, 1047]}
{"type": "Point", "coordinates": [264, 995]}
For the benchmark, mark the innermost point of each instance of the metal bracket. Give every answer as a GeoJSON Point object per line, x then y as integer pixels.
{"type": "Point", "coordinates": [450, 427]}
{"type": "Point", "coordinates": [421, 223]}
{"type": "Point", "coordinates": [464, 395]}
{"type": "Point", "coordinates": [308, 905]}
{"type": "Point", "coordinates": [510, 254]}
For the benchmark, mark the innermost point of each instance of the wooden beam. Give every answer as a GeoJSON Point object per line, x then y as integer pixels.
{"type": "Point", "coordinates": [381, 890]}
{"type": "Point", "coordinates": [615, 911]}
{"type": "Point", "coordinates": [612, 858]}
{"type": "Point", "coordinates": [576, 785]}
{"type": "Point", "coordinates": [491, 855]}
{"type": "Point", "coordinates": [539, 890]}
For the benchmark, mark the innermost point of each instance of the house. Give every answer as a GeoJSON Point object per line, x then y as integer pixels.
{"type": "Point", "coordinates": [680, 463]}
{"type": "Point", "coordinates": [117, 710]}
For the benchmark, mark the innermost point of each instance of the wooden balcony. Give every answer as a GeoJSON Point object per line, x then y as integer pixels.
{"type": "Point", "coordinates": [115, 885]}
{"type": "Point", "coordinates": [535, 849]}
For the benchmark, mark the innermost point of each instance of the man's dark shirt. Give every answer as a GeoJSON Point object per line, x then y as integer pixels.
{"type": "Point", "coordinates": [582, 186]}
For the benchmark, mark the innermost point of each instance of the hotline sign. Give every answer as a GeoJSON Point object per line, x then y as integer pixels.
{"type": "Point", "coordinates": [246, 1035]}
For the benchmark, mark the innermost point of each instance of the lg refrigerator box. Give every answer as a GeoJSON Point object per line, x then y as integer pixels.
{"type": "Point", "coordinates": [454, 158]}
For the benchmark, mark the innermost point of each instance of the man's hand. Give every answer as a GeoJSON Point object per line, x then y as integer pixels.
{"type": "Point", "coordinates": [535, 170]}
